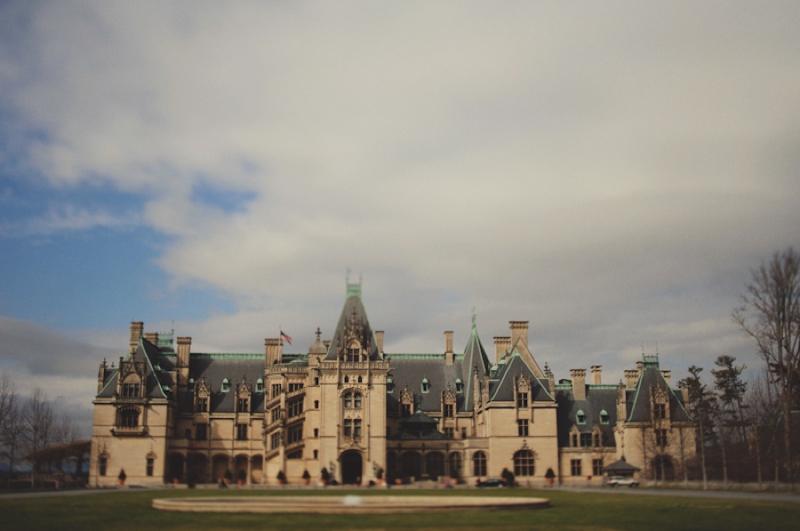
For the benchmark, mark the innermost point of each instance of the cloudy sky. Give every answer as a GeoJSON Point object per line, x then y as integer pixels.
{"type": "Point", "coordinates": [607, 171]}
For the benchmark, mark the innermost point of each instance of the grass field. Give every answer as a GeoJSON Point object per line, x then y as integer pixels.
{"type": "Point", "coordinates": [129, 510]}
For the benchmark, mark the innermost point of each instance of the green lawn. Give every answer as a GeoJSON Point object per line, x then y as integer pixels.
{"type": "Point", "coordinates": [131, 510]}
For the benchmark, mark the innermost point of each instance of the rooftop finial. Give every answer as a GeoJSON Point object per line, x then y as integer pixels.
{"type": "Point", "coordinates": [473, 317]}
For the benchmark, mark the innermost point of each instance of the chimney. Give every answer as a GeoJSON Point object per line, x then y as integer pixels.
{"type": "Point", "coordinates": [182, 361]}
{"type": "Point", "coordinates": [639, 366]}
{"type": "Point", "coordinates": [519, 332]}
{"type": "Point", "coordinates": [597, 371]}
{"type": "Point", "coordinates": [274, 351]}
{"type": "Point", "coordinates": [152, 337]}
{"type": "Point", "coordinates": [448, 347]}
{"type": "Point", "coordinates": [631, 376]}
{"type": "Point", "coordinates": [685, 395]}
{"type": "Point", "coordinates": [137, 327]}
{"type": "Point", "coordinates": [578, 383]}
{"type": "Point", "coordinates": [550, 378]}
{"type": "Point", "coordinates": [501, 345]}
{"type": "Point", "coordinates": [379, 339]}
{"type": "Point", "coordinates": [666, 375]}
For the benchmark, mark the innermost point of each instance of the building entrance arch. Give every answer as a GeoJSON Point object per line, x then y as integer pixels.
{"type": "Point", "coordinates": [352, 467]}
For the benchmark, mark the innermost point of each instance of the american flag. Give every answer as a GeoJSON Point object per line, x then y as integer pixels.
{"type": "Point", "coordinates": [285, 337]}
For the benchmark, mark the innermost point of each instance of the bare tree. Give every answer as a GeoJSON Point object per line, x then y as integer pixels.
{"type": "Point", "coordinates": [9, 423]}
{"type": "Point", "coordinates": [65, 434]}
{"type": "Point", "coordinates": [38, 430]}
{"type": "Point", "coordinates": [770, 314]}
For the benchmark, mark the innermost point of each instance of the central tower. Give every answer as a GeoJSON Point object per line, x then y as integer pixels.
{"type": "Point", "coordinates": [353, 397]}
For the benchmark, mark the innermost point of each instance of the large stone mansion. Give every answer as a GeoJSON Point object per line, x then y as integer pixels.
{"type": "Point", "coordinates": [165, 413]}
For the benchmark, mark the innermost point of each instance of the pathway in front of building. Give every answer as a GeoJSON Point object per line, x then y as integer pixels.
{"type": "Point", "coordinates": [750, 496]}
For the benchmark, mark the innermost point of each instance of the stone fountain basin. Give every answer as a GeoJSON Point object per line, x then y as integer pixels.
{"type": "Point", "coordinates": [348, 504]}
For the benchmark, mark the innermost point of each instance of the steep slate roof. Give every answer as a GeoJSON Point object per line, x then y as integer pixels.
{"type": "Point", "coordinates": [501, 385]}
{"type": "Point", "coordinates": [158, 361]}
{"type": "Point", "coordinates": [353, 306]}
{"type": "Point", "coordinates": [474, 358]}
{"type": "Point", "coordinates": [215, 368]}
{"type": "Point", "coordinates": [411, 369]}
{"type": "Point", "coordinates": [638, 401]}
{"type": "Point", "coordinates": [598, 398]}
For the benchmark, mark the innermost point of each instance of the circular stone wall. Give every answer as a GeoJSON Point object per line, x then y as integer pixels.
{"type": "Point", "coordinates": [347, 504]}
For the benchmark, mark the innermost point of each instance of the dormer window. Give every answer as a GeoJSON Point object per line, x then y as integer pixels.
{"type": "Point", "coordinates": [226, 386]}
{"type": "Point", "coordinates": [389, 385]}
{"type": "Point", "coordinates": [353, 354]}
{"type": "Point", "coordinates": [191, 385]}
{"type": "Point", "coordinates": [242, 405]}
{"type": "Point", "coordinates": [604, 417]}
{"type": "Point", "coordinates": [580, 418]}
{"type": "Point", "coordinates": [522, 399]}
{"type": "Point", "coordinates": [659, 411]}
{"type": "Point", "coordinates": [259, 386]}
{"type": "Point", "coordinates": [426, 386]}
{"type": "Point", "coordinates": [459, 386]}
{"type": "Point", "coordinates": [130, 389]}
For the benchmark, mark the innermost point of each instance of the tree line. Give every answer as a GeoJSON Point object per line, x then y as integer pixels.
{"type": "Point", "coordinates": [747, 431]}
{"type": "Point", "coordinates": [32, 433]}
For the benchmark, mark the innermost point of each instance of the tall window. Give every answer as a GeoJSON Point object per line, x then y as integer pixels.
{"type": "Point", "coordinates": [357, 400]}
{"type": "Point", "coordinates": [661, 438]}
{"type": "Point", "coordinates": [353, 354]}
{"type": "Point", "coordinates": [523, 463]}
{"type": "Point", "coordinates": [586, 440]}
{"type": "Point", "coordinates": [276, 390]}
{"type": "Point", "coordinates": [522, 427]}
{"type": "Point", "coordinates": [103, 465]}
{"type": "Point", "coordinates": [522, 399]}
{"type": "Point", "coordinates": [276, 414]}
{"type": "Point", "coordinates": [479, 464]}
{"type": "Point", "coordinates": [295, 433]}
{"type": "Point", "coordinates": [597, 439]}
{"type": "Point", "coordinates": [202, 405]}
{"type": "Point", "coordinates": [449, 432]}
{"type": "Point", "coordinates": [149, 469]}
{"type": "Point", "coordinates": [406, 410]}
{"type": "Point", "coordinates": [129, 418]}
{"type": "Point", "coordinates": [348, 400]}
{"type": "Point", "coordinates": [574, 440]}
{"type": "Point", "coordinates": [597, 467]}
{"type": "Point", "coordinates": [357, 428]}
{"type": "Point", "coordinates": [660, 411]}
{"type": "Point", "coordinates": [575, 467]}
{"type": "Point", "coordinates": [448, 410]}
{"type": "Point", "coordinates": [241, 432]}
{"type": "Point", "coordinates": [242, 406]}
{"type": "Point", "coordinates": [275, 440]}
{"type": "Point", "coordinates": [348, 427]}
{"type": "Point", "coordinates": [295, 408]}
{"type": "Point", "coordinates": [295, 387]}
{"type": "Point", "coordinates": [201, 432]}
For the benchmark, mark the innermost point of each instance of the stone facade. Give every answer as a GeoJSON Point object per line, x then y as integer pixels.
{"type": "Point", "coordinates": [361, 414]}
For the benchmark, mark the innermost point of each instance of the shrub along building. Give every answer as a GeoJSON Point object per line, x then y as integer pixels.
{"type": "Point", "coordinates": [362, 414]}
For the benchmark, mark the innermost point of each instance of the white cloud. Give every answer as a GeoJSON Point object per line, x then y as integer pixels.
{"type": "Point", "coordinates": [602, 171]}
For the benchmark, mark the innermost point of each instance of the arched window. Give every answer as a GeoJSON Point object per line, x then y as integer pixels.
{"type": "Point", "coordinates": [580, 417]}
{"type": "Point", "coordinates": [454, 462]}
{"type": "Point", "coordinates": [523, 463]}
{"type": "Point", "coordinates": [459, 386]}
{"type": "Point", "coordinates": [434, 464]}
{"type": "Point", "coordinates": [389, 385]}
{"type": "Point", "coordinates": [128, 418]}
{"type": "Point", "coordinates": [346, 379]}
{"type": "Point", "coordinates": [360, 379]}
{"type": "Point", "coordinates": [357, 400]}
{"type": "Point", "coordinates": [479, 464]}
{"type": "Point", "coordinates": [604, 417]}
{"type": "Point", "coordinates": [259, 386]}
{"type": "Point", "coordinates": [348, 400]}
{"type": "Point", "coordinates": [226, 386]}
{"type": "Point", "coordinates": [426, 386]}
